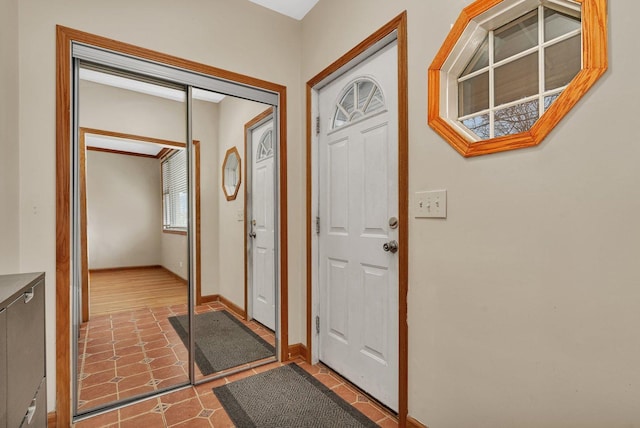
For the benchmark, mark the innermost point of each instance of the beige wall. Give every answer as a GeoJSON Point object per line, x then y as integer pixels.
{"type": "Point", "coordinates": [124, 218]}
{"type": "Point", "coordinates": [205, 129]}
{"type": "Point", "coordinates": [524, 303]}
{"type": "Point", "coordinates": [119, 110]}
{"type": "Point", "coordinates": [234, 114]}
{"type": "Point", "coordinates": [212, 32]}
{"type": "Point", "coordinates": [9, 137]}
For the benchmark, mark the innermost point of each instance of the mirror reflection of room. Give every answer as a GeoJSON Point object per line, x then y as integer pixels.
{"type": "Point", "coordinates": [228, 337]}
{"type": "Point", "coordinates": [133, 338]}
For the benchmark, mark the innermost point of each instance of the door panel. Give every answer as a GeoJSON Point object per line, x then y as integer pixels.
{"type": "Point", "coordinates": [358, 179]}
{"type": "Point", "coordinates": [338, 197]}
{"type": "Point", "coordinates": [262, 245]}
{"type": "Point", "coordinates": [338, 304]}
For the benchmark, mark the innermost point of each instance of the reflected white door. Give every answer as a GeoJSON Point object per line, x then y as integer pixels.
{"type": "Point", "coordinates": [358, 179]}
{"type": "Point", "coordinates": [262, 225]}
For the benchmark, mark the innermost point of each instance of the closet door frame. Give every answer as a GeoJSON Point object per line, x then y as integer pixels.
{"type": "Point", "coordinates": [74, 46]}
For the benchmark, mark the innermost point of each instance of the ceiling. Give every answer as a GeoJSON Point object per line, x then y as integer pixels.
{"type": "Point", "coordinates": [296, 9]}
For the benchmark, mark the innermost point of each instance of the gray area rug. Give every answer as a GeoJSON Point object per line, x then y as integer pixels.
{"type": "Point", "coordinates": [222, 341]}
{"type": "Point", "coordinates": [287, 397]}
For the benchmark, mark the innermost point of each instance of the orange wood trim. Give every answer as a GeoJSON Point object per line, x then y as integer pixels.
{"type": "Point", "coordinates": [595, 63]}
{"type": "Point", "coordinates": [175, 232]}
{"type": "Point", "coordinates": [63, 228]}
{"type": "Point", "coordinates": [228, 303]}
{"type": "Point", "coordinates": [399, 23]}
{"type": "Point", "coordinates": [310, 216]}
{"type": "Point", "coordinates": [134, 137]}
{"type": "Point", "coordinates": [403, 199]}
{"type": "Point", "coordinates": [111, 269]}
{"type": "Point", "coordinates": [480, 7]}
{"type": "Point", "coordinates": [414, 423]}
{"type": "Point", "coordinates": [298, 350]}
{"type": "Point", "coordinates": [247, 128]}
{"type": "Point", "coordinates": [210, 298]}
{"type": "Point", "coordinates": [64, 37]}
{"type": "Point", "coordinates": [233, 307]}
{"type": "Point", "coordinates": [52, 420]}
{"type": "Point", "coordinates": [164, 152]}
{"type": "Point", "coordinates": [176, 276]}
{"type": "Point", "coordinates": [234, 195]}
{"type": "Point", "coordinates": [284, 230]}
{"type": "Point", "coordinates": [120, 152]}
{"type": "Point", "coordinates": [594, 34]}
{"type": "Point", "coordinates": [448, 44]}
{"type": "Point", "coordinates": [83, 229]}
{"type": "Point", "coordinates": [126, 48]}
{"type": "Point", "coordinates": [196, 146]}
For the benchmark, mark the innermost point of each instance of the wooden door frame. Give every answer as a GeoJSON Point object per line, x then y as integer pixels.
{"type": "Point", "coordinates": [83, 202]}
{"type": "Point", "coordinates": [398, 24]}
{"type": "Point", "coordinates": [247, 128]}
{"type": "Point", "coordinates": [64, 109]}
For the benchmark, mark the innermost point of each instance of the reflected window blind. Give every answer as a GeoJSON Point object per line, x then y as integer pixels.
{"type": "Point", "coordinates": [174, 191]}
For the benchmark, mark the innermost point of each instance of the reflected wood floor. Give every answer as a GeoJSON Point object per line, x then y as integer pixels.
{"type": "Point", "coordinates": [120, 290]}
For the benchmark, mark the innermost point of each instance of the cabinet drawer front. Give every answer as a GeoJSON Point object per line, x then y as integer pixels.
{"type": "Point", "coordinates": [3, 367]}
{"type": "Point", "coordinates": [37, 412]}
{"type": "Point", "coordinates": [25, 352]}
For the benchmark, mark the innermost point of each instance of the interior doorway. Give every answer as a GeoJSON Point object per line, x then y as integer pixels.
{"type": "Point", "coordinates": [357, 215]}
{"type": "Point", "coordinates": [261, 292]}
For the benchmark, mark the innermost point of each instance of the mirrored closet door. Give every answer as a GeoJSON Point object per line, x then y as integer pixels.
{"type": "Point", "coordinates": [175, 238]}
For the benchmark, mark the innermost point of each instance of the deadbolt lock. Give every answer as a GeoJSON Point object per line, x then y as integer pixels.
{"type": "Point", "coordinates": [393, 222]}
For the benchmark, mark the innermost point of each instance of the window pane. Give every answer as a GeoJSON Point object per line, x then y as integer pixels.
{"type": "Point", "coordinates": [516, 36]}
{"type": "Point", "coordinates": [473, 94]}
{"type": "Point", "coordinates": [347, 100]}
{"type": "Point", "coordinates": [479, 125]}
{"type": "Point", "coordinates": [517, 79]}
{"type": "Point", "coordinates": [480, 58]}
{"type": "Point", "coordinates": [562, 62]}
{"type": "Point", "coordinates": [556, 24]}
{"type": "Point", "coordinates": [174, 184]}
{"type": "Point", "coordinates": [549, 99]}
{"type": "Point", "coordinates": [515, 119]}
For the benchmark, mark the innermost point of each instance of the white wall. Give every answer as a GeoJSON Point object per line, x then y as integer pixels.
{"type": "Point", "coordinates": [524, 302]}
{"type": "Point", "coordinates": [9, 137]}
{"type": "Point", "coordinates": [124, 210]}
{"type": "Point", "coordinates": [234, 114]}
{"type": "Point", "coordinates": [211, 32]}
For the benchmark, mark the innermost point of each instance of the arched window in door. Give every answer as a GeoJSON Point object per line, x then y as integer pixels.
{"type": "Point", "coordinates": [357, 100]}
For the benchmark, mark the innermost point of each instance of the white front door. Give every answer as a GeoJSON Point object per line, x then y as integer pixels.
{"type": "Point", "coordinates": [358, 200]}
{"type": "Point", "coordinates": [262, 242]}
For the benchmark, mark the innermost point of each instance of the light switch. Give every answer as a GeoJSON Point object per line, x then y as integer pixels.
{"type": "Point", "coordinates": [431, 204]}
{"type": "Point", "coordinates": [240, 215]}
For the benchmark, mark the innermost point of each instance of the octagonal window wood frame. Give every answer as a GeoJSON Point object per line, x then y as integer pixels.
{"type": "Point", "coordinates": [225, 176]}
{"type": "Point", "coordinates": [594, 64]}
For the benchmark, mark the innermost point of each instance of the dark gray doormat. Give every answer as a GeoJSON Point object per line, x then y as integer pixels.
{"type": "Point", "coordinates": [287, 397]}
{"type": "Point", "coordinates": [222, 341]}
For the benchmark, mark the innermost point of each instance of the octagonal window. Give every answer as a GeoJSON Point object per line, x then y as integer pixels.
{"type": "Point", "coordinates": [506, 64]}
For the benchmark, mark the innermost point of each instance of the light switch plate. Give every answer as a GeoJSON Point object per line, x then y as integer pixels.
{"type": "Point", "coordinates": [431, 204]}
{"type": "Point", "coordinates": [240, 215]}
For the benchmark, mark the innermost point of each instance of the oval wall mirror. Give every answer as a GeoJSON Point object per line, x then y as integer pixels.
{"type": "Point", "coordinates": [231, 174]}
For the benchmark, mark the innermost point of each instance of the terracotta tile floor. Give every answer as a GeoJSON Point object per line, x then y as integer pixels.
{"type": "Point", "coordinates": [126, 354]}
{"type": "Point", "coordinates": [129, 353]}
